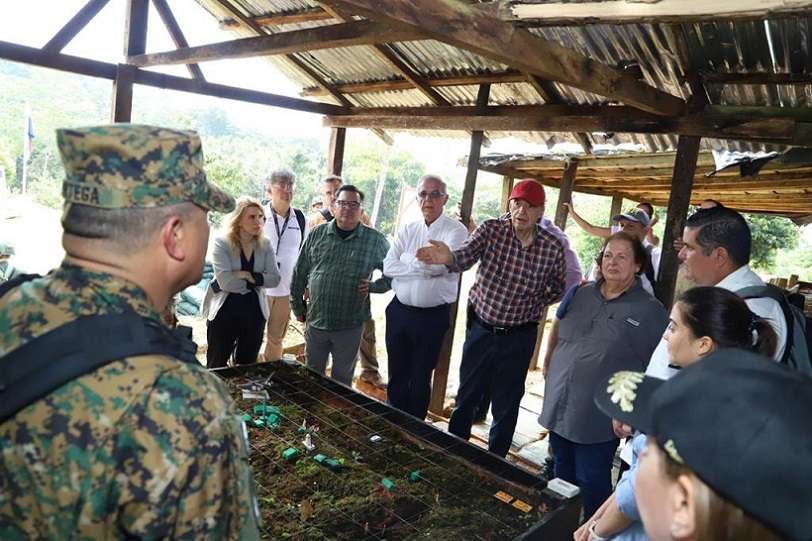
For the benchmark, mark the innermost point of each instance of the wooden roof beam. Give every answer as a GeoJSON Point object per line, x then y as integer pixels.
{"type": "Point", "coordinates": [74, 25]}
{"type": "Point", "coordinates": [323, 37]}
{"type": "Point", "coordinates": [508, 76]}
{"type": "Point", "coordinates": [105, 70]}
{"type": "Point", "coordinates": [468, 27]}
{"type": "Point", "coordinates": [176, 34]}
{"type": "Point", "coordinates": [635, 12]}
{"type": "Point", "coordinates": [789, 126]}
{"type": "Point", "coordinates": [293, 17]}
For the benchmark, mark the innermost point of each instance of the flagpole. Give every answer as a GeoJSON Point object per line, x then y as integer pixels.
{"type": "Point", "coordinates": [26, 148]}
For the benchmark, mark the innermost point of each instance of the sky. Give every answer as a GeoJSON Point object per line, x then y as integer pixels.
{"type": "Point", "coordinates": [34, 22]}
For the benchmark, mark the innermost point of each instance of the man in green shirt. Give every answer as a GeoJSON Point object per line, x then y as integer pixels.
{"type": "Point", "coordinates": [335, 265]}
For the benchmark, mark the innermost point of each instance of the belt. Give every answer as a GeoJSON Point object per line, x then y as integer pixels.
{"type": "Point", "coordinates": [494, 329]}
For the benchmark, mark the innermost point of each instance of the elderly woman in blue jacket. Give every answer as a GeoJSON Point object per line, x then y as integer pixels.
{"type": "Point", "coordinates": [235, 305]}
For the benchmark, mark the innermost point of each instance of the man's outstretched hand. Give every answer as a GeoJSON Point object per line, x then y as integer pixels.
{"type": "Point", "coordinates": [437, 254]}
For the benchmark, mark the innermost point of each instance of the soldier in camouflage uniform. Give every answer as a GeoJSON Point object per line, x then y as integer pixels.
{"type": "Point", "coordinates": [146, 447]}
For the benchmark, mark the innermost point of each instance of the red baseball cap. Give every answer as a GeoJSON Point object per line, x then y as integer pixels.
{"type": "Point", "coordinates": [529, 190]}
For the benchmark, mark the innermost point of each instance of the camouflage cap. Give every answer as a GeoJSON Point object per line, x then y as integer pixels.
{"type": "Point", "coordinates": [134, 166]}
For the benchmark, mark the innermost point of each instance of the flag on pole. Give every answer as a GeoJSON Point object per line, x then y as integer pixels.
{"type": "Point", "coordinates": [28, 135]}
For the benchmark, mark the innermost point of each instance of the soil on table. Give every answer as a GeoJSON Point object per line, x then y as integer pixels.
{"type": "Point", "coordinates": [302, 499]}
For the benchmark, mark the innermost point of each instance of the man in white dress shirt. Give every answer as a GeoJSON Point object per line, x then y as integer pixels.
{"type": "Point", "coordinates": [285, 228]}
{"type": "Point", "coordinates": [716, 252]}
{"type": "Point", "coordinates": [419, 315]}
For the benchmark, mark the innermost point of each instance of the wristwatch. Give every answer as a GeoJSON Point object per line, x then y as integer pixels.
{"type": "Point", "coordinates": [592, 535]}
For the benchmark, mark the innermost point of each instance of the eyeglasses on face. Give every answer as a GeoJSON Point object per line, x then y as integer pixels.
{"type": "Point", "coordinates": [351, 205]}
{"type": "Point", "coordinates": [430, 195]}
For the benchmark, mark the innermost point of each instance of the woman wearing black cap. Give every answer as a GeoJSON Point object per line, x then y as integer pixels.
{"type": "Point", "coordinates": [728, 450]}
{"type": "Point", "coordinates": [703, 320]}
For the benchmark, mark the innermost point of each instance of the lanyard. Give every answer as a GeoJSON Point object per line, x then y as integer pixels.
{"type": "Point", "coordinates": [284, 227]}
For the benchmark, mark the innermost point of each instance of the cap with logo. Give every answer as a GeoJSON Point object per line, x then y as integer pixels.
{"type": "Point", "coordinates": [135, 166]}
{"type": "Point", "coordinates": [740, 421]}
{"type": "Point", "coordinates": [635, 215]}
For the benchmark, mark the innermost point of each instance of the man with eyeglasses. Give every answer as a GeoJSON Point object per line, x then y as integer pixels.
{"type": "Point", "coordinates": [367, 354]}
{"type": "Point", "coordinates": [420, 313]}
{"type": "Point", "coordinates": [336, 264]}
{"type": "Point", "coordinates": [286, 229]}
{"type": "Point", "coordinates": [521, 269]}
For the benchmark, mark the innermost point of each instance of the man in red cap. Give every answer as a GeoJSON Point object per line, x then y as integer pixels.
{"type": "Point", "coordinates": [521, 270]}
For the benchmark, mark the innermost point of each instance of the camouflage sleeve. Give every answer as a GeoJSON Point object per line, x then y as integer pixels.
{"type": "Point", "coordinates": [189, 476]}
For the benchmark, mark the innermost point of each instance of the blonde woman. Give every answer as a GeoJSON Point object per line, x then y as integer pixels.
{"type": "Point", "coordinates": [235, 304]}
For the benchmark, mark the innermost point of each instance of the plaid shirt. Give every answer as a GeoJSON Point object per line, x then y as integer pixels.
{"type": "Point", "coordinates": [513, 284]}
{"type": "Point", "coordinates": [331, 268]}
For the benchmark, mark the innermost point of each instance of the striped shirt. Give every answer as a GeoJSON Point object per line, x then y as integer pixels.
{"type": "Point", "coordinates": [331, 268]}
{"type": "Point", "coordinates": [513, 284]}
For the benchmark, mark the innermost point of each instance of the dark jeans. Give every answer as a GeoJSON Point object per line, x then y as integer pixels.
{"type": "Point", "coordinates": [500, 361]}
{"type": "Point", "coordinates": [238, 324]}
{"type": "Point", "coordinates": [414, 337]}
{"type": "Point", "coordinates": [588, 465]}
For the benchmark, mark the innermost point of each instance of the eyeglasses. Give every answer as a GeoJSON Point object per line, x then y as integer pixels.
{"type": "Point", "coordinates": [430, 195]}
{"type": "Point", "coordinates": [351, 205]}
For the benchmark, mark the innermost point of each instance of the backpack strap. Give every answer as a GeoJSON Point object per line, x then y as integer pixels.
{"type": "Point", "coordinates": [300, 218]}
{"type": "Point", "coordinates": [8, 285]}
{"type": "Point", "coordinates": [327, 214]}
{"type": "Point", "coordinates": [768, 291]}
{"type": "Point", "coordinates": [39, 367]}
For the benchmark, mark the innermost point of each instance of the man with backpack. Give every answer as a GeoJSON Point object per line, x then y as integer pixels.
{"type": "Point", "coordinates": [286, 229]}
{"type": "Point", "coordinates": [109, 426]}
{"type": "Point", "coordinates": [716, 252]}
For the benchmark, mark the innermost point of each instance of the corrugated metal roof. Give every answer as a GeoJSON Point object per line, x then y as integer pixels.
{"type": "Point", "coordinates": [778, 46]}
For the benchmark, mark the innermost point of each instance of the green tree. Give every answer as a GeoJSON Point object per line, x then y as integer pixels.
{"type": "Point", "coordinates": [770, 233]}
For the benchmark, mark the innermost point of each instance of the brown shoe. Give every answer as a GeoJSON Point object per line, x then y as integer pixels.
{"type": "Point", "coordinates": [373, 378]}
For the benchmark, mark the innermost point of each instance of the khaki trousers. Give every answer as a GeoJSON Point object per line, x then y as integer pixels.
{"type": "Point", "coordinates": [367, 354]}
{"type": "Point", "coordinates": [277, 326]}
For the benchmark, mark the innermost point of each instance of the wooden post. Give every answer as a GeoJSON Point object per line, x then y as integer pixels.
{"type": "Point", "coordinates": [507, 187]}
{"type": "Point", "coordinates": [617, 206]}
{"type": "Point", "coordinates": [335, 154]}
{"type": "Point", "coordinates": [565, 193]}
{"type": "Point", "coordinates": [682, 183]}
{"type": "Point", "coordinates": [123, 93]}
{"type": "Point", "coordinates": [564, 196]}
{"type": "Point", "coordinates": [135, 42]}
{"type": "Point", "coordinates": [440, 379]}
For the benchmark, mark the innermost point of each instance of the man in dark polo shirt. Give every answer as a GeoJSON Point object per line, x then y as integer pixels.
{"type": "Point", "coordinates": [521, 270]}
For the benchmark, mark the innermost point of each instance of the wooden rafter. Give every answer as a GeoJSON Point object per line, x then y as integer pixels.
{"type": "Point", "coordinates": [105, 70]}
{"type": "Point", "coordinates": [467, 27]}
{"type": "Point", "coordinates": [331, 90]}
{"type": "Point", "coordinates": [293, 17]}
{"type": "Point", "coordinates": [508, 76]}
{"type": "Point", "coordinates": [789, 126]}
{"type": "Point", "coordinates": [295, 41]}
{"type": "Point", "coordinates": [635, 11]}
{"type": "Point", "coordinates": [176, 34]}
{"type": "Point", "coordinates": [75, 25]}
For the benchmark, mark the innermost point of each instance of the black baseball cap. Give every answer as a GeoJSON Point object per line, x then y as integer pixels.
{"type": "Point", "coordinates": [740, 421]}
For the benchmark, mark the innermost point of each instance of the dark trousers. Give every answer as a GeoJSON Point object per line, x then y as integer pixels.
{"type": "Point", "coordinates": [500, 361]}
{"type": "Point", "coordinates": [414, 337]}
{"type": "Point", "coordinates": [588, 465]}
{"type": "Point", "coordinates": [239, 325]}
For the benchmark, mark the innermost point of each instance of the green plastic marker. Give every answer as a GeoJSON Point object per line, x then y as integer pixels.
{"type": "Point", "coordinates": [415, 476]}
{"type": "Point", "coordinates": [388, 484]}
{"type": "Point", "coordinates": [290, 453]}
